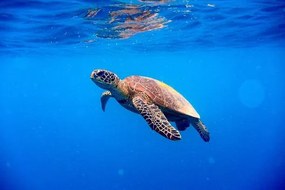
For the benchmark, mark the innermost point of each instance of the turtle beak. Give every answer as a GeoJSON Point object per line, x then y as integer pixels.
{"type": "Point", "coordinates": [96, 73]}
{"type": "Point", "coordinates": [92, 76]}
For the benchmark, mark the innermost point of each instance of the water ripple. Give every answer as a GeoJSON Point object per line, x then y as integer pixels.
{"type": "Point", "coordinates": [141, 25]}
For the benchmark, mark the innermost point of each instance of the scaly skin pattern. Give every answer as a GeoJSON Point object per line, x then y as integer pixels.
{"type": "Point", "coordinates": [155, 118]}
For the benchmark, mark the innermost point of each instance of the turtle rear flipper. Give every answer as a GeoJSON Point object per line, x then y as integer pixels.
{"type": "Point", "coordinates": [202, 130]}
{"type": "Point", "coordinates": [155, 117]}
{"type": "Point", "coordinates": [104, 98]}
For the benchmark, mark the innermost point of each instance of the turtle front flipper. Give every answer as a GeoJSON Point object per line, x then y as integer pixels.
{"type": "Point", "coordinates": [155, 117]}
{"type": "Point", "coordinates": [104, 98]}
{"type": "Point", "coordinates": [202, 130]}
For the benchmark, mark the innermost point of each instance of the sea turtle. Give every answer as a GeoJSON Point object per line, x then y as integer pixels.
{"type": "Point", "coordinates": [157, 102]}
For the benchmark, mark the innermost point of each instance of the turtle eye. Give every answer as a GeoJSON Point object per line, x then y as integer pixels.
{"type": "Point", "coordinates": [100, 73]}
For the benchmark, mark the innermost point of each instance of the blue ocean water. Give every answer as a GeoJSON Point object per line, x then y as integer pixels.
{"type": "Point", "coordinates": [226, 57]}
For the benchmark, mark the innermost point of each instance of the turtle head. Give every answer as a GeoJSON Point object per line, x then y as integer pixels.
{"type": "Point", "coordinates": [104, 79]}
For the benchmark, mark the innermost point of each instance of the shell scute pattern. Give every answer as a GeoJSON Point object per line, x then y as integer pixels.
{"type": "Point", "coordinates": [160, 93]}
{"type": "Point", "coordinates": [157, 91]}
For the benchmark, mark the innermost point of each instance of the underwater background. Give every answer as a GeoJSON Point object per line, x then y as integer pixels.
{"type": "Point", "coordinates": [226, 57]}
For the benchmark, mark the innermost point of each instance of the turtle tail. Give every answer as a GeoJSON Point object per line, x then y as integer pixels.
{"type": "Point", "coordinates": [201, 129]}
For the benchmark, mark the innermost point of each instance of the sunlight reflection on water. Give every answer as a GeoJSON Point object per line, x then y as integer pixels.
{"type": "Point", "coordinates": [251, 93]}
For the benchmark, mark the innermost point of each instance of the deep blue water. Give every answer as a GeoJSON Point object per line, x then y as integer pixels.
{"type": "Point", "coordinates": [226, 57]}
